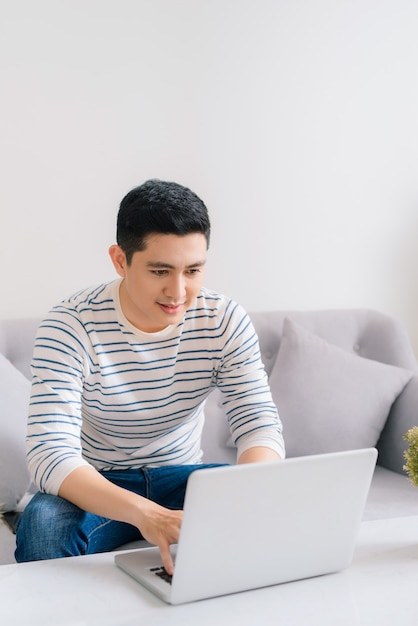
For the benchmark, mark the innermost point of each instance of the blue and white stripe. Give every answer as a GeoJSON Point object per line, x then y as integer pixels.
{"type": "Point", "coordinates": [108, 395]}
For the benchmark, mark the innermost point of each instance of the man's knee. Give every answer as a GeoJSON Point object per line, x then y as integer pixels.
{"type": "Point", "coordinates": [48, 530]}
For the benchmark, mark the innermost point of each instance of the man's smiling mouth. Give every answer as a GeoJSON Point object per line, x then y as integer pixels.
{"type": "Point", "coordinates": [171, 308]}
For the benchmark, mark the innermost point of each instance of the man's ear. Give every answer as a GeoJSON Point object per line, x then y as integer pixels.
{"type": "Point", "coordinates": [118, 258]}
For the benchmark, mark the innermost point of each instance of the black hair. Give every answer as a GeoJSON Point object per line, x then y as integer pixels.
{"type": "Point", "coordinates": [159, 206]}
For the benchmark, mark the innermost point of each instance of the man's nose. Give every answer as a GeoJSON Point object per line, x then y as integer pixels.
{"type": "Point", "coordinates": [176, 289]}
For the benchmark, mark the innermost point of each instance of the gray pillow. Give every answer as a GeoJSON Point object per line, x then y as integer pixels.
{"type": "Point", "coordinates": [14, 401]}
{"type": "Point", "coordinates": [330, 399]}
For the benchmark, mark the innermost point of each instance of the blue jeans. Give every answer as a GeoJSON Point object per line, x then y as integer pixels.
{"type": "Point", "coordinates": [51, 527]}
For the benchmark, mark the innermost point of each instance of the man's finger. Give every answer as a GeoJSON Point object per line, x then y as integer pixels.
{"type": "Point", "coordinates": [167, 558]}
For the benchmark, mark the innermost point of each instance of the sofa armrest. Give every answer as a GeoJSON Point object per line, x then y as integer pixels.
{"type": "Point", "coordinates": [403, 416]}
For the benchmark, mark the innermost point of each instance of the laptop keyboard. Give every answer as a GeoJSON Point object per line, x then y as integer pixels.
{"type": "Point", "coordinates": [160, 571]}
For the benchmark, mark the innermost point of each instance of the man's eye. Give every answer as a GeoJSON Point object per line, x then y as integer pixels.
{"type": "Point", "coordinates": [193, 272]}
{"type": "Point", "coordinates": [159, 272]}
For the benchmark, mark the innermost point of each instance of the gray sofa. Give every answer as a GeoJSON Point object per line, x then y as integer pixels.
{"type": "Point", "coordinates": [341, 380]}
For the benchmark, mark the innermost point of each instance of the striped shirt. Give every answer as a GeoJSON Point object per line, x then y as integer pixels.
{"type": "Point", "coordinates": [108, 395]}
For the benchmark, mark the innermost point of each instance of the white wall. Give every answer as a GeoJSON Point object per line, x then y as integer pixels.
{"type": "Point", "coordinates": [296, 121]}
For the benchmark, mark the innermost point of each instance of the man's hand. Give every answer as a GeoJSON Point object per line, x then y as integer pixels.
{"type": "Point", "coordinates": [161, 527]}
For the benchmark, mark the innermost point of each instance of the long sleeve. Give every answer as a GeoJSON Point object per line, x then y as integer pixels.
{"type": "Point", "coordinates": [55, 418]}
{"type": "Point", "coordinates": [252, 415]}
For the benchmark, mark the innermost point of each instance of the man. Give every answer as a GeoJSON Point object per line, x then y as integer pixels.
{"type": "Point", "coordinates": [120, 374]}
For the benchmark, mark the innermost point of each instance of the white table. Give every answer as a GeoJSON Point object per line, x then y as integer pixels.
{"type": "Point", "coordinates": [379, 589]}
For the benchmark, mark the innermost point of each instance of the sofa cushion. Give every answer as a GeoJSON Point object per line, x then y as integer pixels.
{"type": "Point", "coordinates": [14, 400]}
{"type": "Point", "coordinates": [330, 399]}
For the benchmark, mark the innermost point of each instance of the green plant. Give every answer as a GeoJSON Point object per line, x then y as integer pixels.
{"type": "Point", "coordinates": [411, 455]}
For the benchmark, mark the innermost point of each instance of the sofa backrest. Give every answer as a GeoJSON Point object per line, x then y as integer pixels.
{"type": "Point", "coordinates": [367, 333]}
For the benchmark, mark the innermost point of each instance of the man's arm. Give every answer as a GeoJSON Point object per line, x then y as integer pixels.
{"type": "Point", "coordinates": [252, 415]}
{"type": "Point", "coordinates": [56, 390]}
{"type": "Point", "coordinates": [90, 491]}
{"type": "Point", "coordinates": [259, 454]}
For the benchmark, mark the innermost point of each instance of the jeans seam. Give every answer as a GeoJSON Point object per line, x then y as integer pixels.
{"type": "Point", "coordinates": [96, 528]}
{"type": "Point", "coordinates": [147, 478]}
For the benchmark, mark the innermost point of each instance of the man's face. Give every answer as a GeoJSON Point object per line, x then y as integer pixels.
{"type": "Point", "coordinates": [162, 281]}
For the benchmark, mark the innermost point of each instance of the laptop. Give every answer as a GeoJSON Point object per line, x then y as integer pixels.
{"type": "Point", "coordinates": [261, 524]}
